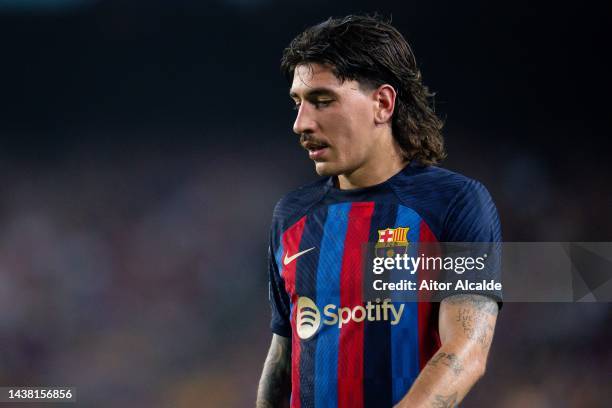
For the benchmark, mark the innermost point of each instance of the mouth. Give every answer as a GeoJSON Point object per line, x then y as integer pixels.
{"type": "Point", "coordinates": [316, 149]}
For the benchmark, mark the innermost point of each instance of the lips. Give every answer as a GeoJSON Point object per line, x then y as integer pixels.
{"type": "Point", "coordinates": [315, 149]}
{"type": "Point", "coordinates": [318, 153]}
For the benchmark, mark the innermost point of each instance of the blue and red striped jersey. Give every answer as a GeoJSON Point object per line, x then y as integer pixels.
{"type": "Point", "coordinates": [347, 352]}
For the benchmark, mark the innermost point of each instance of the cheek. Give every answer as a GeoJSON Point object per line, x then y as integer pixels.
{"type": "Point", "coordinates": [350, 132]}
{"type": "Point", "coordinates": [350, 125]}
{"type": "Point", "coordinates": [337, 129]}
{"type": "Point", "coordinates": [360, 132]}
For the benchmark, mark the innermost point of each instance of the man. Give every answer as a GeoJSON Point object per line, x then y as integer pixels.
{"type": "Point", "coordinates": [364, 117]}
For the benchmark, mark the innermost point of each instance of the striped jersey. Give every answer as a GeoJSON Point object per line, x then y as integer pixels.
{"type": "Point", "coordinates": [349, 349]}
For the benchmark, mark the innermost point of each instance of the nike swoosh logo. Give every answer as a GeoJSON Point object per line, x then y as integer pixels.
{"type": "Point", "coordinates": [288, 259]}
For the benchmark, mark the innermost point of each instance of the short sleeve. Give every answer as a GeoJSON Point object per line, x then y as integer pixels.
{"type": "Point", "coordinates": [279, 300]}
{"type": "Point", "coordinates": [472, 218]}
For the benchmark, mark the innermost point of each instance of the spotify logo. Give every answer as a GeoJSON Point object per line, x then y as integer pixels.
{"type": "Point", "coordinates": [308, 318]}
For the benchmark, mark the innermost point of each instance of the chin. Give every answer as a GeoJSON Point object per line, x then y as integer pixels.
{"type": "Point", "coordinates": [326, 169]}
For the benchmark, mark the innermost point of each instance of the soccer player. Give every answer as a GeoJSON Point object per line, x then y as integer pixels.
{"type": "Point", "coordinates": [364, 117]}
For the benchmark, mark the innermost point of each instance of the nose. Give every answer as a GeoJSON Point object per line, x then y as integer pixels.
{"type": "Point", "coordinates": [304, 122]}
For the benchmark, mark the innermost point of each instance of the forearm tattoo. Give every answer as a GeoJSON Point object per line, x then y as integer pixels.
{"type": "Point", "coordinates": [275, 383]}
{"type": "Point", "coordinates": [448, 359]}
{"type": "Point", "coordinates": [445, 401]}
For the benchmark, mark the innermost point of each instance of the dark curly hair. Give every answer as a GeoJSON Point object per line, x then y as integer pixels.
{"type": "Point", "coordinates": [371, 51]}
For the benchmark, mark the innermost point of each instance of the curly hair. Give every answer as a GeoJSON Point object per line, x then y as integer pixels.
{"type": "Point", "coordinates": [371, 51]}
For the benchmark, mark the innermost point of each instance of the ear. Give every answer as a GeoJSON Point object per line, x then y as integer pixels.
{"type": "Point", "coordinates": [384, 97]}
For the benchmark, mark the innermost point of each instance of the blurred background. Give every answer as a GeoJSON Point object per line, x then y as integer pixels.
{"type": "Point", "coordinates": [143, 145]}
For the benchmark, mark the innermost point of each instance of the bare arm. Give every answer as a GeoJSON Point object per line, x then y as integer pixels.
{"type": "Point", "coordinates": [466, 326]}
{"type": "Point", "coordinates": [275, 383]}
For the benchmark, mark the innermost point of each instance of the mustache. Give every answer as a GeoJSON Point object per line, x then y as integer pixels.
{"type": "Point", "coordinates": [304, 137]}
{"type": "Point", "coordinates": [308, 140]}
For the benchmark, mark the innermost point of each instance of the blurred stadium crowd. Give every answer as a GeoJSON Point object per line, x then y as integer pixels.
{"type": "Point", "coordinates": [140, 279]}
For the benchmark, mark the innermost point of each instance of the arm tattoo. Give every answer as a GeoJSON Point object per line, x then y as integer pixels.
{"type": "Point", "coordinates": [445, 401]}
{"type": "Point", "coordinates": [275, 383]}
{"type": "Point", "coordinates": [474, 314]}
{"type": "Point", "coordinates": [474, 327]}
{"type": "Point", "coordinates": [480, 303]}
{"type": "Point", "coordinates": [448, 359]}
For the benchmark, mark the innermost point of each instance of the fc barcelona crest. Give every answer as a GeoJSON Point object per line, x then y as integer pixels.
{"type": "Point", "coordinates": [392, 241]}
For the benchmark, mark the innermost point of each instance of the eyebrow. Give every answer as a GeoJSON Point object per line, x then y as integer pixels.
{"type": "Point", "coordinates": [314, 92]}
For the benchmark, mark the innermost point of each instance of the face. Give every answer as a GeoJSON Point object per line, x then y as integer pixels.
{"type": "Point", "coordinates": [335, 120]}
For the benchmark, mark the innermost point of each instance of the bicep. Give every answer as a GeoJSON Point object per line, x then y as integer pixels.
{"type": "Point", "coordinates": [468, 319]}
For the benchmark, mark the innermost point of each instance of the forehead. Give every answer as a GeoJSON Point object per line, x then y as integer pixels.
{"type": "Point", "coordinates": [310, 76]}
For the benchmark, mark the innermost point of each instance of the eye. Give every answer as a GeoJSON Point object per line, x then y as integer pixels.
{"type": "Point", "coordinates": [322, 104]}
{"type": "Point", "coordinates": [296, 107]}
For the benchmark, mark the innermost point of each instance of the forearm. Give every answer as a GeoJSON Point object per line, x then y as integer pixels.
{"type": "Point", "coordinates": [467, 323]}
{"type": "Point", "coordinates": [275, 384]}
{"type": "Point", "coordinates": [445, 380]}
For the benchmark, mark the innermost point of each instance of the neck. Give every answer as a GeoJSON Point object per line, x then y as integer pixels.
{"type": "Point", "coordinates": [378, 169]}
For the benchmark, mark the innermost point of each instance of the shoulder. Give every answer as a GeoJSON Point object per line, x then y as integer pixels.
{"type": "Point", "coordinates": [441, 196]}
{"type": "Point", "coordinates": [427, 181]}
{"type": "Point", "coordinates": [295, 204]}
